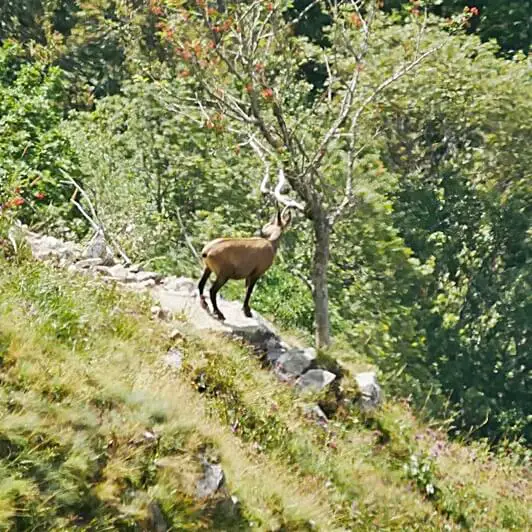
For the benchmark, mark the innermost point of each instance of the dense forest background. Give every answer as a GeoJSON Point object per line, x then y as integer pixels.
{"type": "Point", "coordinates": [430, 268]}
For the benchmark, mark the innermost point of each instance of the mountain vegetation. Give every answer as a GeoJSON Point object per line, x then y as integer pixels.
{"type": "Point", "coordinates": [397, 132]}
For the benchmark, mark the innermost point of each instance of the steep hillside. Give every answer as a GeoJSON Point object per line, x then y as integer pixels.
{"type": "Point", "coordinates": [111, 419]}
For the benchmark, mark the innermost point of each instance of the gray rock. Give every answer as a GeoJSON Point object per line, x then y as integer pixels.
{"type": "Point", "coordinates": [180, 284]}
{"type": "Point", "coordinates": [255, 330]}
{"type": "Point", "coordinates": [229, 508]}
{"type": "Point", "coordinates": [48, 247]}
{"type": "Point", "coordinates": [275, 344]}
{"type": "Point", "coordinates": [274, 349]}
{"type": "Point", "coordinates": [50, 243]}
{"type": "Point", "coordinates": [173, 358]}
{"type": "Point", "coordinates": [140, 287]}
{"type": "Point", "coordinates": [213, 478]}
{"type": "Point", "coordinates": [160, 313]}
{"type": "Point", "coordinates": [156, 520]}
{"type": "Point", "coordinates": [118, 272]}
{"type": "Point", "coordinates": [135, 268]}
{"type": "Point", "coordinates": [66, 251]}
{"type": "Point", "coordinates": [89, 263]}
{"type": "Point", "coordinates": [371, 396]}
{"type": "Point", "coordinates": [315, 379]}
{"type": "Point", "coordinates": [150, 436]}
{"type": "Point", "coordinates": [272, 356]}
{"type": "Point", "coordinates": [176, 334]}
{"type": "Point", "coordinates": [43, 253]}
{"type": "Point", "coordinates": [316, 413]}
{"type": "Point", "coordinates": [98, 248]}
{"type": "Point", "coordinates": [44, 247]}
{"type": "Point", "coordinates": [147, 276]}
{"type": "Point", "coordinates": [294, 362]}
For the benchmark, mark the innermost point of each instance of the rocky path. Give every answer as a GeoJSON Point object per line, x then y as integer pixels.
{"type": "Point", "coordinates": [178, 295]}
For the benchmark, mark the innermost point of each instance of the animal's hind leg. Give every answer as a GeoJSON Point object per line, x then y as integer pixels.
{"type": "Point", "coordinates": [201, 286]}
{"type": "Point", "coordinates": [220, 281]}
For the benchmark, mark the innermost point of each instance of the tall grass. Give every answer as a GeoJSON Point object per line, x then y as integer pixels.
{"type": "Point", "coordinates": [96, 432]}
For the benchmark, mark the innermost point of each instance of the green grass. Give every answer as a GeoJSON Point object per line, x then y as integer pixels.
{"type": "Point", "coordinates": [81, 382]}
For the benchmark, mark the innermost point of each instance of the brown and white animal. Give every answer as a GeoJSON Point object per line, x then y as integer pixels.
{"type": "Point", "coordinates": [241, 258]}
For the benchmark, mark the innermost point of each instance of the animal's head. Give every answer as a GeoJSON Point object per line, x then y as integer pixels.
{"type": "Point", "coordinates": [274, 229]}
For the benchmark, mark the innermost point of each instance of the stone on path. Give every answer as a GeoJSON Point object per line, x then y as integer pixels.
{"type": "Point", "coordinates": [213, 478]}
{"type": "Point", "coordinates": [315, 379]}
{"type": "Point", "coordinates": [294, 362]}
{"type": "Point", "coordinates": [371, 396]}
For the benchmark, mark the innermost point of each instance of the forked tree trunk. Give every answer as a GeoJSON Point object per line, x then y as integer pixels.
{"type": "Point", "coordinates": [319, 280]}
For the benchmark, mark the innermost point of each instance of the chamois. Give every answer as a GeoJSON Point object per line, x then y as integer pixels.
{"type": "Point", "coordinates": [241, 258]}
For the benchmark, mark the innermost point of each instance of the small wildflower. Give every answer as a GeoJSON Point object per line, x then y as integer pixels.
{"type": "Point", "coordinates": [267, 93]}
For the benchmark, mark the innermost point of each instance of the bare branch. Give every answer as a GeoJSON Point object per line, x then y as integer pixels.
{"type": "Point", "coordinates": [347, 101]}
{"type": "Point", "coordinates": [394, 77]}
{"type": "Point", "coordinates": [93, 224]}
{"type": "Point", "coordinates": [277, 191]}
{"type": "Point", "coordinates": [69, 179]}
{"type": "Point", "coordinates": [301, 15]}
{"type": "Point", "coordinates": [421, 31]}
{"type": "Point", "coordinates": [365, 24]}
{"type": "Point", "coordinates": [259, 151]}
{"type": "Point", "coordinates": [188, 241]}
{"type": "Point", "coordinates": [94, 220]}
{"type": "Point", "coordinates": [351, 158]}
{"type": "Point", "coordinates": [308, 283]}
{"type": "Point", "coordinates": [330, 76]}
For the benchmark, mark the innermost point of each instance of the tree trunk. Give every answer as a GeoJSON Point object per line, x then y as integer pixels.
{"type": "Point", "coordinates": [319, 279]}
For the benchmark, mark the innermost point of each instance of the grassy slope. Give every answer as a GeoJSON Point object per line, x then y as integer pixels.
{"type": "Point", "coordinates": [81, 381]}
